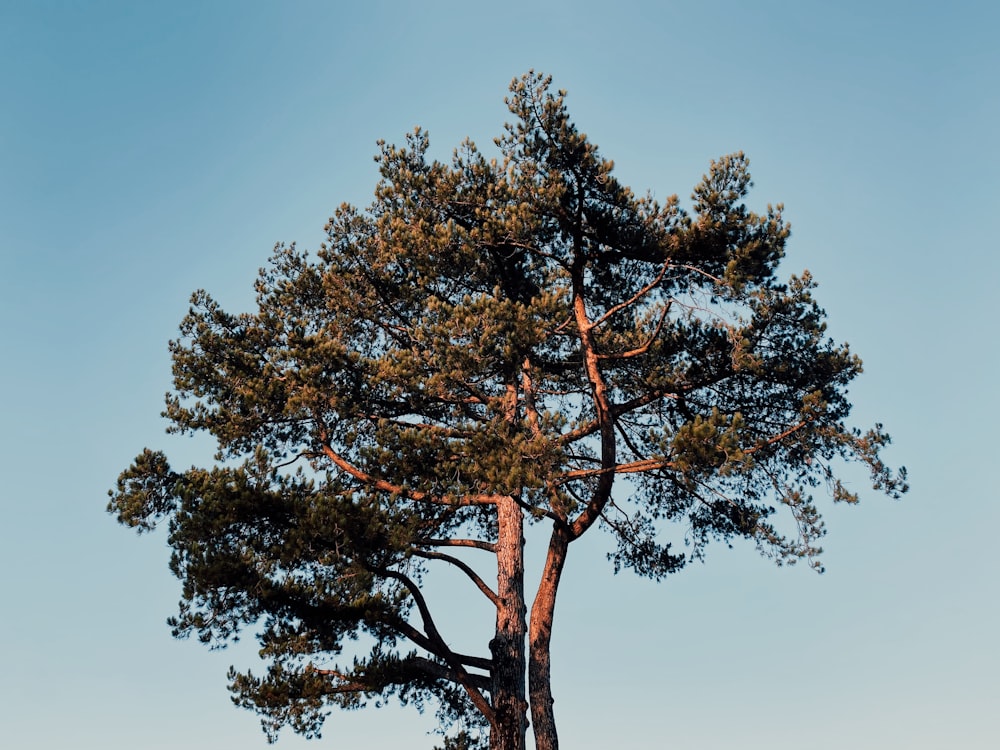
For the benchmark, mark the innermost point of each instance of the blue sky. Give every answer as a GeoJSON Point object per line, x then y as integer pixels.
{"type": "Point", "coordinates": [149, 149]}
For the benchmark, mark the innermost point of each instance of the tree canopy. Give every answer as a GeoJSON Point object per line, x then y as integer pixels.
{"type": "Point", "coordinates": [492, 342]}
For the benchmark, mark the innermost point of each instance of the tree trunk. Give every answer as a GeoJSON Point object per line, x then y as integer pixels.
{"type": "Point", "coordinates": [510, 706]}
{"type": "Point", "coordinates": [540, 637]}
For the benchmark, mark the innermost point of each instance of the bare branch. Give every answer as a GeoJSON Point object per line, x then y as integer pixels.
{"type": "Point", "coordinates": [418, 598]}
{"type": "Point", "coordinates": [538, 511]}
{"type": "Point", "coordinates": [623, 432]}
{"type": "Point", "coordinates": [700, 272]}
{"type": "Point", "coordinates": [480, 583]}
{"type": "Point", "coordinates": [454, 661]}
{"type": "Point", "coordinates": [438, 649]}
{"type": "Point", "coordinates": [616, 410]}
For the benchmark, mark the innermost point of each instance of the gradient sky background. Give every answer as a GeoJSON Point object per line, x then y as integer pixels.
{"type": "Point", "coordinates": [149, 149]}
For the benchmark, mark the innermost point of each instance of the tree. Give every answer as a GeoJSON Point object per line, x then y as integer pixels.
{"type": "Point", "coordinates": [492, 343]}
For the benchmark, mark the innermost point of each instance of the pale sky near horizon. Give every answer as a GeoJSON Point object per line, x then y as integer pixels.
{"type": "Point", "coordinates": [150, 149]}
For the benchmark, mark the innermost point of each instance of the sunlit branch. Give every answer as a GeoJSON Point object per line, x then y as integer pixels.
{"type": "Point", "coordinates": [580, 432]}
{"type": "Point", "coordinates": [602, 409]}
{"type": "Point", "coordinates": [701, 272]}
{"type": "Point", "coordinates": [477, 543]}
{"type": "Point", "coordinates": [395, 489]}
{"type": "Point", "coordinates": [649, 464]}
{"type": "Point", "coordinates": [529, 398]}
{"type": "Point", "coordinates": [644, 348]}
{"type": "Point", "coordinates": [562, 326]}
{"type": "Point", "coordinates": [635, 298]}
{"type": "Point", "coordinates": [778, 438]}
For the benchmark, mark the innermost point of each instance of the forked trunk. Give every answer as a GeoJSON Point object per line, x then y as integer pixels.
{"type": "Point", "coordinates": [510, 706]}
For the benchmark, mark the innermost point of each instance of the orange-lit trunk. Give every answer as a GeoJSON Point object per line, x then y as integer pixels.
{"type": "Point", "coordinates": [539, 638]}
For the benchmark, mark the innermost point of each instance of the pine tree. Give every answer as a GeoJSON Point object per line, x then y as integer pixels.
{"type": "Point", "coordinates": [492, 343]}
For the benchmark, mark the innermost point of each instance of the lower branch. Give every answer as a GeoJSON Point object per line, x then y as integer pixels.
{"type": "Point", "coordinates": [435, 669]}
{"type": "Point", "coordinates": [439, 647]}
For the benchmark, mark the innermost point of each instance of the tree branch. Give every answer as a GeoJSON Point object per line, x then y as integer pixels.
{"type": "Point", "coordinates": [433, 668]}
{"type": "Point", "coordinates": [441, 648]}
{"type": "Point", "coordinates": [616, 411]}
{"type": "Point", "coordinates": [477, 543]}
{"type": "Point", "coordinates": [634, 298]}
{"type": "Point", "coordinates": [432, 647]}
{"type": "Point", "coordinates": [536, 511]}
{"type": "Point", "coordinates": [695, 269]}
{"type": "Point", "coordinates": [528, 385]}
{"type": "Point", "coordinates": [777, 438]}
{"type": "Point", "coordinates": [602, 405]}
{"type": "Point", "coordinates": [347, 686]}
{"type": "Point", "coordinates": [640, 350]}
{"type": "Point", "coordinates": [380, 484]}
{"type": "Point", "coordinates": [421, 664]}
{"type": "Point", "coordinates": [634, 467]}
{"type": "Point", "coordinates": [480, 583]}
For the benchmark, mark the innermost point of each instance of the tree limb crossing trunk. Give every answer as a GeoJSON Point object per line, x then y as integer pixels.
{"type": "Point", "coordinates": [510, 705]}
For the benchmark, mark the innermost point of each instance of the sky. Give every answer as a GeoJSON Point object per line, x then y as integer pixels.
{"type": "Point", "coordinates": [151, 149]}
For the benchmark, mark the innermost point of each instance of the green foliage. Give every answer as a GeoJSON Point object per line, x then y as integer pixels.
{"type": "Point", "coordinates": [462, 741]}
{"type": "Point", "coordinates": [523, 326]}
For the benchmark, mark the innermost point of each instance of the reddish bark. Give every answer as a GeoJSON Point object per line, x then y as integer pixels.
{"type": "Point", "coordinates": [510, 706]}
{"type": "Point", "coordinates": [540, 637]}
